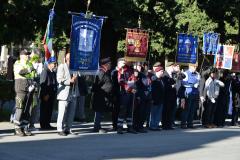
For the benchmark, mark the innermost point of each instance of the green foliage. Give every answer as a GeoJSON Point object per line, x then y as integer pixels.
{"type": "Point", "coordinates": [193, 20]}
{"type": "Point", "coordinates": [26, 20]}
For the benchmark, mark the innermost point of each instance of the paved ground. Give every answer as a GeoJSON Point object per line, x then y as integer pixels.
{"type": "Point", "coordinates": [197, 144]}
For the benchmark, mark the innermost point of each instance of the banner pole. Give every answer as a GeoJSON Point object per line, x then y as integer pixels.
{"type": "Point", "coordinates": [54, 4]}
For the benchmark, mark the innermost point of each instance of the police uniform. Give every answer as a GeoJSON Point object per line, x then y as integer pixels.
{"type": "Point", "coordinates": [190, 83]}
{"type": "Point", "coordinates": [23, 74]}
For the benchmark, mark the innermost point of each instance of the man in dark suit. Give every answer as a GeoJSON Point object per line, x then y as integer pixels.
{"type": "Point", "coordinates": [48, 90]}
{"type": "Point", "coordinates": [102, 88]}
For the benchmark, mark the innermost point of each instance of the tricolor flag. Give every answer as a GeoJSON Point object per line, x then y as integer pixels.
{"type": "Point", "coordinates": [48, 37]}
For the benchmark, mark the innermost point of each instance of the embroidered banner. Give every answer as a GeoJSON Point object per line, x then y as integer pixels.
{"type": "Point", "coordinates": [218, 59]}
{"type": "Point", "coordinates": [187, 46]}
{"type": "Point", "coordinates": [137, 45]}
{"type": "Point", "coordinates": [236, 62]}
{"type": "Point", "coordinates": [223, 58]}
{"type": "Point", "coordinates": [210, 43]}
{"type": "Point", "coordinates": [85, 44]}
{"type": "Point", "coordinates": [228, 56]}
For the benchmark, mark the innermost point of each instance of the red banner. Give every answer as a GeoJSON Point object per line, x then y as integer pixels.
{"type": "Point", "coordinates": [236, 62]}
{"type": "Point", "coordinates": [137, 45]}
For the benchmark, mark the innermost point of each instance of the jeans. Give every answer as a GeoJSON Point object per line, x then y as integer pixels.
{"type": "Point", "coordinates": [97, 120]}
{"type": "Point", "coordinates": [155, 116]}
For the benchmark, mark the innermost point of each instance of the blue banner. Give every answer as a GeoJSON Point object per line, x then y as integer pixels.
{"type": "Point", "coordinates": [187, 49]}
{"type": "Point", "coordinates": [210, 43]}
{"type": "Point", "coordinates": [85, 44]}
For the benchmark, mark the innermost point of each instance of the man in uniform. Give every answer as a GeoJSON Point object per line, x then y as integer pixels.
{"type": "Point", "coordinates": [189, 104]}
{"type": "Point", "coordinates": [24, 88]}
{"type": "Point", "coordinates": [127, 91]}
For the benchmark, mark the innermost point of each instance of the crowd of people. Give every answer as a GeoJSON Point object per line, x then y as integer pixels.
{"type": "Point", "coordinates": [133, 93]}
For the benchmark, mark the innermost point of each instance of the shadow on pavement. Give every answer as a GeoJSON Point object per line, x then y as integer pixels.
{"type": "Point", "coordinates": [113, 146]}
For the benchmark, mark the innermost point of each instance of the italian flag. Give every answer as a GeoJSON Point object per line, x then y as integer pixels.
{"type": "Point", "coordinates": [48, 37]}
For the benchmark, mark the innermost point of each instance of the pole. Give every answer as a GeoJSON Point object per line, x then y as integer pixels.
{"type": "Point", "coordinates": [88, 4]}
{"type": "Point", "coordinates": [54, 4]}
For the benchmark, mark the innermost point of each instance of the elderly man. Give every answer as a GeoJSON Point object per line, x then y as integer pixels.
{"type": "Point", "coordinates": [48, 90]}
{"type": "Point", "coordinates": [66, 109]}
{"type": "Point", "coordinates": [171, 95]}
{"type": "Point", "coordinates": [102, 88]}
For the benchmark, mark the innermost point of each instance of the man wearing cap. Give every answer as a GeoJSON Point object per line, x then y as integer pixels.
{"type": "Point", "coordinates": [127, 91]}
{"type": "Point", "coordinates": [158, 96]}
{"type": "Point", "coordinates": [142, 99]}
{"type": "Point", "coordinates": [191, 94]}
{"type": "Point", "coordinates": [211, 93]}
{"type": "Point", "coordinates": [48, 90]}
{"type": "Point", "coordinates": [101, 98]}
{"type": "Point", "coordinates": [171, 96]}
{"type": "Point", "coordinates": [23, 74]}
{"type": "Point", "coordinates": [116, 95]}
{"type": "Point", "coordinates": [235, 87]}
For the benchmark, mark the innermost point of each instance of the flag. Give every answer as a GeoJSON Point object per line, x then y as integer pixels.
{"type": "Point", "coordinates": [136, 44]}
{"type": "Point", "coordinates": [218, 59]}
{"type": "Point", "coordinates": [236, 62]}
{"type": "Point", "coordinates": [187, 46]}
{"type": "Point", "coordinates": [224, 57]}
{"type": "Point", "coordinates": [210, 43]}
{"type": "Point", "coordinates": [48, 37]}
{"type": "Point", "coordinates": [85, 44]}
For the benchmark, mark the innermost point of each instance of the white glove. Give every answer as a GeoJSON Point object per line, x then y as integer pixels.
{"type": "Point", "coordinates": [31, 88]}
{"type": "Point", "coordinates": [29, 69]}
{"type": "Point", "coordinates": [202, 99]}
{"type": "Point", "coordinates": [195, 85]}
{"type": "Point", "coordinates": [220, 83]}
{"type": "Point", "coordinates": [213, 100]}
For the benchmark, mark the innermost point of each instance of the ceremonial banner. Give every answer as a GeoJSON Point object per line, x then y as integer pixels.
{"type": "Point", "coordinates": [85, 44]}
{"type": "Point", "coordinates": [137, 45]}
{"type": "Point", "coordinates": [223, 58]}
{"type": "Point", "coordinates": [48, 37]}
{"type": "Point", "coordinates": [210, 43]}
{"type": "Point", "coordinates": [218, 60]}
{"type": "Point", "coordinates": [228, 56]}
{"type": "Point", "coordinates": [187, 46]}
{"type": "Point", "coordinates": [236, 62]}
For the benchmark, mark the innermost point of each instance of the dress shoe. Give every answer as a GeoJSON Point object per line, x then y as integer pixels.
{"type": "Point", "coordinates": [28, 132]}
{"type": "Point", "coordinates": [62, 133]}
{"type": "Point", "coordinates": [19, 132]}
{"type": "Point", "coordinates": [142, 130]}
{"type": "Point", "coordinates": [119, 131]}
{"type": "Point", "coordinates": [190, 126]}
{"type": "Point", "coordinates": [131, 130]}
{"type": "Point", "coordinates": [154, 129]}
{"type": "Point", "coordinates": [183, 126]}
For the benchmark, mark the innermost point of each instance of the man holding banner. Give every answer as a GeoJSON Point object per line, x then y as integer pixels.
{"type": "Point", "coordinates": [66, 109]}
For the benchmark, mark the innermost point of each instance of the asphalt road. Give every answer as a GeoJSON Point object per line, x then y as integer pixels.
{"type": "Point", "coordinates": [178, 144]}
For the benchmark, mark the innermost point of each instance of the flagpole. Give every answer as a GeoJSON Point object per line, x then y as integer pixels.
{"type": "Point", "coordinates": [88, 4]}
{"type": "Point", "coordinates": [54, 4]}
